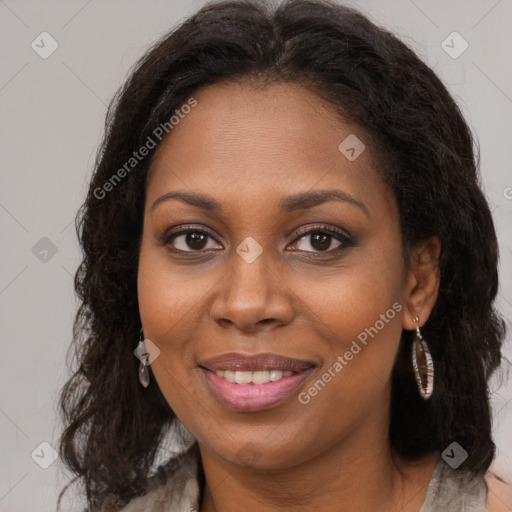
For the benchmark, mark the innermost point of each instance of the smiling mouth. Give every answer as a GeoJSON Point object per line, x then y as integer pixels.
{"type": "Point", "coordinates": [254, 382]}
{"type": "Point", "coordinates": [252, 391]}
{"type": "Point", "coordinates": [253, 377]}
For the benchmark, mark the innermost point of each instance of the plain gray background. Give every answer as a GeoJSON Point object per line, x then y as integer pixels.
{"type": "Point", "coordinates": [52, 114]}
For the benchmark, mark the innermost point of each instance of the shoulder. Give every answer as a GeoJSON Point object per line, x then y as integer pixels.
{"type": "Point", "coordinates": [499, 493]}
{"type": "Point", "coordinates": [455, 490]}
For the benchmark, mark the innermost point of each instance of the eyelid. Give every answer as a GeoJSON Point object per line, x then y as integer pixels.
{"type": "Point", "coordinates": [338, 233]}
{"type": "Point", "coordinates": [322, 228]}
{"type": "Point", "coordinates": [183, 230]}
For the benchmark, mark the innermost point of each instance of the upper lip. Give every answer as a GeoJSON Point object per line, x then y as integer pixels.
{"type": "Point", "coordinates": [253, 362]}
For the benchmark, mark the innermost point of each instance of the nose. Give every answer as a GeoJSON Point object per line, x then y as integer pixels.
{"type": "Point", "coordinates": [253, 296]}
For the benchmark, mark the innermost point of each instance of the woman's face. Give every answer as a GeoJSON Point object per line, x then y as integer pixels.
{"type": "Point", "coordinates": [253, 284]}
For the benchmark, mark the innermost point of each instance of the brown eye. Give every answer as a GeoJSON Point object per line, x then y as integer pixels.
{"type": "Point", "coordinates": [321, 240]}
{"type": "Point", "coordinates": [189, 240]}
{"type": "Point", "coordinates": [195, 240]}
{"type": "Point", "coordinates": [318, 241]}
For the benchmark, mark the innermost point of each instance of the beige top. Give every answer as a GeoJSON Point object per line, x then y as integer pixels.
{"type": "Point", "coordinates": [177, 489]}
{"type": "Point", "coordinates": [454, 491]}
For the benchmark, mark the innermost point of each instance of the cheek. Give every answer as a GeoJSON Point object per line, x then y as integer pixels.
{"type": "Point", "coordinates": [163, 305]}
{"type": "Point", "coordinates": [172, 305]}
{"type": "Point", "coordinates": [170, 296]}
{"type": "Point", "coordinates": [358, 312]}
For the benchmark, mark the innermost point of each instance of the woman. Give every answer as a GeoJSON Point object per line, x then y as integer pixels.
{"type": "Point", "coordinates": [285, 226]}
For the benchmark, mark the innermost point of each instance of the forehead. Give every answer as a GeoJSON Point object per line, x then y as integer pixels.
{"type": "Point", "coordinates": [251, 144]}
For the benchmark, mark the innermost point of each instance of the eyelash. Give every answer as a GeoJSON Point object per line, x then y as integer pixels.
{"type": "Point", "coordinates": [339, 234]}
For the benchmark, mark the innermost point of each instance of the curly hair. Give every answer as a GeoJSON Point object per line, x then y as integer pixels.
{"type": "Point", "coordinates": [113, 426]}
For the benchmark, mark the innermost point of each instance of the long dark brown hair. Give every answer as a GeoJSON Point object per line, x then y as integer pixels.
{"type": "Point", "coordinates": [113, 426]}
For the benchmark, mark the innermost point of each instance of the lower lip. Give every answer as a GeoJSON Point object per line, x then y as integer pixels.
{"type": "Point", "coordinates": [254, 397]}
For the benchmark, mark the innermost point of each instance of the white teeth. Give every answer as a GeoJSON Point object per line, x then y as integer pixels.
{"type": "Point", "coordinates": [243, 377]}
{"type": "Point", "coordinates": [260, 377]}
{"type": "Point", "coordinates": [257, 377]}
{"type": "Point", "coordinates": [275, 375]}
{"type": "Point", "coordinates": [229, 376]}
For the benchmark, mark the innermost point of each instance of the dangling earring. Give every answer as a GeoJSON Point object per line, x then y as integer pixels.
{"type": "Point", "coordinates": [424, 370]}
{"type": "Point", "coordinates": [141, 353]}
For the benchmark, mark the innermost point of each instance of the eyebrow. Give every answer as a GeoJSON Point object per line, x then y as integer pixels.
{"type": "Point", "coordinates": [300, 201]}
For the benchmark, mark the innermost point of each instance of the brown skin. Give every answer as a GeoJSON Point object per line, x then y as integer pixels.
{"type": "Point", "coordinates": [248, 148]}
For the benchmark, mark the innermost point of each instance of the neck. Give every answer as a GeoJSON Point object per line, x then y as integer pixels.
{"type": "Point", "coordinates": [358, 473]}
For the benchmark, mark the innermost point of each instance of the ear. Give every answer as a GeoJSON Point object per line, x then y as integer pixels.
{"type": "Point", "coordinates": [422, 284]}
